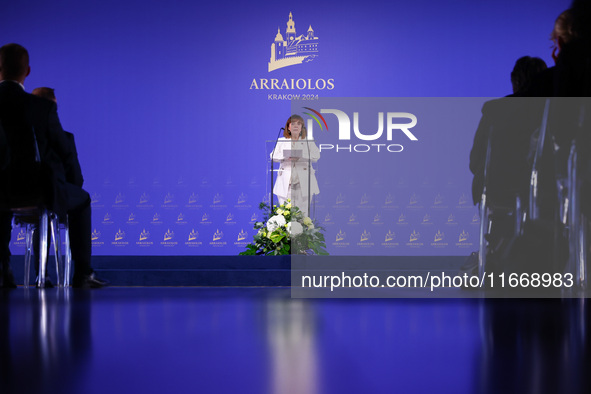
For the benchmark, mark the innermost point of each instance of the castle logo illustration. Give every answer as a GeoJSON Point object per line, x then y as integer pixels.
{"type": "Point", "coordinates": [390, 236]}
{"type": "Point", "coordinates": [95, 235]}
{"type": "Point", "coordinates": [144, 235]}
{"type": "Point", "coordinates": [438, 236]}
{"type": "Point", "coordinates": [193, 235]}
{"type": "Point", "coordinates": [365, 236]}
{"type": "Point", "coordinates": [119, 235]}
{"type": "Point", "coordinates": [463, 236]}
{"type": "Point", "coordinates": [293, 49]}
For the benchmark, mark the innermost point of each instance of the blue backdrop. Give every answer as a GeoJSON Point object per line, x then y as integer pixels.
{"type": "Point", "coordinates": [171, 102]}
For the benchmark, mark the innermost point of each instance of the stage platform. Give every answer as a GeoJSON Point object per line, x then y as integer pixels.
{"type": "Point", "coordinates": [247, 271]}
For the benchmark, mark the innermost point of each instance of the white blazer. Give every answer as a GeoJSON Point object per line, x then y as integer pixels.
{"type": "Point", "coordinates": [310, 154]}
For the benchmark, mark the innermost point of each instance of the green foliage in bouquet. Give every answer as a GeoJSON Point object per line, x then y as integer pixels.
{"type": "Point", "coordinates": [285, 230]}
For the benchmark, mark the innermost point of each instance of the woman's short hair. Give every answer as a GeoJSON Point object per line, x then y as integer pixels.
{"type": "Point", "coordinates": [293, 118]}
{"type": "Point", "coordinates": [564, 28]}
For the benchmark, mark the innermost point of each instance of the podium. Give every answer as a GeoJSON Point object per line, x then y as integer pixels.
{"type": "Point", "coordinates": [292, 167]}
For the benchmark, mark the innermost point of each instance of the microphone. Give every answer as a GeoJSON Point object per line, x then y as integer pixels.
{"type": "Point", "coordinates": [272, 161]}
{"type": "Point", "coordinates": [309, 174]}
{"type": "Point", "coordinates": [276, 140]}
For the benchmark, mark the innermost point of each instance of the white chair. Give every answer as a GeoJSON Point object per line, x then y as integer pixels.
{"type": "Point", "coordinates": [576, 223]}
{"type": "Point", "coordinates": [38, 219]}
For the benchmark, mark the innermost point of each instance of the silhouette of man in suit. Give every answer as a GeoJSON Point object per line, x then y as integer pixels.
{"type": "Point", "coordinates": [19, 112]}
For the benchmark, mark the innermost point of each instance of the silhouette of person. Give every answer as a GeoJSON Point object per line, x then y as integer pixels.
{"type": "Point", "coordinates": [20, 111]}
{"type": "Point", "coordinates": [73, 170]}
{"type": "Point", "coordinates": [513, 129]}
{"type": "Point", "coordinates": [506, 128]}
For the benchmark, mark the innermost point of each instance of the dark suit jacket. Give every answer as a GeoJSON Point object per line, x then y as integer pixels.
{"type": "Point", "coordinates": [20, 112]}
{"type": "Point", "coordinates": [4, 151]}
{"type": "Point", "coordinates": [73, 170]}
{"type": "Point", "coordinates": [512, 121]}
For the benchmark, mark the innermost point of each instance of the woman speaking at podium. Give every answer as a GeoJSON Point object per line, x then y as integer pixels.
{"type": "Point", "coordinates": [296, 179]}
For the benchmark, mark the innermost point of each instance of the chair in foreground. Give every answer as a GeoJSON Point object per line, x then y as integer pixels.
{"type": "Point", "coordinates": [37, 219]}
{"type": "Point", "coordinates": [574, 202]}
{"type": "Point", "coordinates": [570, 145]}
{"type": "Point", "coordinates": [509, 206]}
{"type": "Point", "coordinates": [501, 218]}
{"type": "Point", "coordinates": [27, 187]}
{"type": "Point", "coordinates": [576, 222]}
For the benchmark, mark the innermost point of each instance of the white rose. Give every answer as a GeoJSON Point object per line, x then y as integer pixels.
{"type": "Point", "coordinates": [275, 222]}
{"type": "Point", "coordinates": [294, 228]}
{"type": "Point", "coordinates": [307, 221]}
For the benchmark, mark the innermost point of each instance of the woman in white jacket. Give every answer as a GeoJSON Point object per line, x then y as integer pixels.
{"type": "Point", "coordinates": [296, 179]}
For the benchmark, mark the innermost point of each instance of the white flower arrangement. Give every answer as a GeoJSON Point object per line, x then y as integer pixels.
{"type": "Point", "coordinates": [275, 222]}
{"type": "Point", "coordinates": [286, 231]}
{"type": "Point", "coordinates": [294, 229]}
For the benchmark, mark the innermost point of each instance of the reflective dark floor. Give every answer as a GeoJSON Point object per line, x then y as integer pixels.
{"type": "Point", "coordinates": [259, 340]}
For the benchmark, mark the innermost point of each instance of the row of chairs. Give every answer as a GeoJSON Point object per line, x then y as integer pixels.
{"type": "Point", "coordinates": [30, 210]}
{"type": "Point", "coordinates": [37, 218]}
{"type": "Point", "coordinates": [561, 130]}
